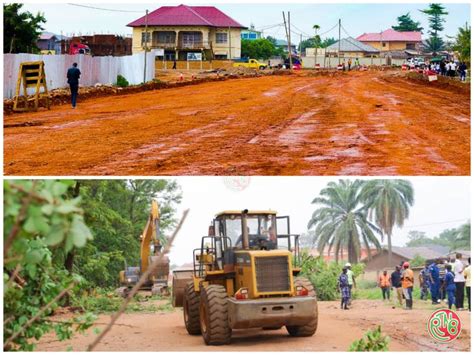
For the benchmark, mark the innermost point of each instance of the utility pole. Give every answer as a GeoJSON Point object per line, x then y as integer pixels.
{"type": "Point", "coordinates": [339, 45]}
{"type": "Point", "coordinates": [230, 46]}
{"type": "Point", "coordinates": [287, 39]}
{"type": "Point", "coordinates": [146, 46]}
{"type": "Point", "coordinates": [301, 44]}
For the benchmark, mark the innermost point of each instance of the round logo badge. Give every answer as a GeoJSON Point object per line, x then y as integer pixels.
{"type": "Point", "coordinates": [444, 325]}
{"type": "Point", "coordinates": [237, 183]}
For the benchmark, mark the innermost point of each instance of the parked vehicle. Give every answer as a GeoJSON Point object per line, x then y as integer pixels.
{"type": "Point", "coordinates": [79, 48]}
{"type": "Point", "coordinates": [250, 63]}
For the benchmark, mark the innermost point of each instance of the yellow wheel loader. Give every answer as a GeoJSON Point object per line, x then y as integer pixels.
{"type": "Point", "coordinates": [151, 247]}
{"type": "Point", "coordinates": [245, 277]}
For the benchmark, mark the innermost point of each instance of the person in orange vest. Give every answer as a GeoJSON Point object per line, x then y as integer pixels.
{"type": "Point", "coordinates": [407, 284]}
{"type": "Point", "coordinates": [384, 284]}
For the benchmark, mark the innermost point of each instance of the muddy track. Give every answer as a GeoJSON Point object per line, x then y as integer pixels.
{"type": "Point", "coordinates": [364, 123]}
{"type": "Point", "coordinates": [337, 329]}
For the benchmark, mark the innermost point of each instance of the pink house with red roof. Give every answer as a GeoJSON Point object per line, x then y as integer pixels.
{"type": "Point", "coordinates": [183, 30]}
{"type": "Point", "coordinates": [391, 40]}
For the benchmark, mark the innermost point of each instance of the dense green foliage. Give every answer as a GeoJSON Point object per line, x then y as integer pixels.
{"type": "Point", "coordinates": [417, 260]}
{"type": "Point", "coordinates": [324, 275]}
{"type": "Point", "coordinates": [407, 24]}
{"type": "Point", "coordinates": [121, 81]}
{"type": "Point", "coordinates": [74, 236]}
{"type": "Point", "coordinates": [342, 220]}
{"type": "Point", "coordinates": [40, 218]}
{"type": "Point", "coordinates": [20, 29]}
{"type": "Point", "coordinates": [435, 14]}
{"type": "Point", "coordinates": [453, 238]}
{"type": "Point", "coordinates": [462, 44]}
{"type": "Point", "coordinates": [373, 340]}
{"type": "Point", "coordinates": [259, 49]}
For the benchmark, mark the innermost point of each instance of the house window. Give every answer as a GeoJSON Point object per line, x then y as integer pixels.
{"type": "Point", "coordinates": [148, 37]}
{"type": "Point", "coordinates": [384, 44]}
{"type": "Point", "coordinates": [245, 35]}
{"type": "Point", "coordinates": [411, 46]}
{"type": "Point", "coordinates": [221, 37]}
{"type": "Point", "coordinates": [253, 36]}
{"type": "Point", "coordinates": [221, 56]}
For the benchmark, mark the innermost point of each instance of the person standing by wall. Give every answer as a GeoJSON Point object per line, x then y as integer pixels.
{"type": "Point", "coordinates": [396, 280]}
{"type": "Point", "coordinates": [407, 285]}
{"type": "Point", "coordinates": [424, 278]}
{"type": "Point", "coordinates": [467, 276]}
{"type": "Point", "coordinates": [384, 284]}
{"type": "Point", "coordinates": [434, 282]}
{"type": "Point", "coordinates": [73, 75]}
{"type": "Point", "coordinates": [343, 288]}
{"type": "Point", "coordinates": [459, 281]}
{"type": "Point", "coordinates": [450, 286]}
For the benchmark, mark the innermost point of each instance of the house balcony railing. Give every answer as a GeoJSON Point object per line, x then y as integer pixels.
{"type": "Point", "coordinates": [181, 45]}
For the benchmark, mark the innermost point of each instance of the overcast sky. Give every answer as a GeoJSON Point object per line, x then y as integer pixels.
{"type": "Point", "coordinates": [440, 203]}
{"type": "Point", "coordinates": [357, 18]}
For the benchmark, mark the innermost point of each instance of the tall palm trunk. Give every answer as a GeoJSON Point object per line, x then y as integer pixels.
{"type": "Point", "coordinates": [389, 242]}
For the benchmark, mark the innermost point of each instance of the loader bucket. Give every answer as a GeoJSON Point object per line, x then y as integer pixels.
{"type": "Point", "coordinates": [180, 279]}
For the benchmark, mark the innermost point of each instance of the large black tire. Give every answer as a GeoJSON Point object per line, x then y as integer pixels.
{"type": "Point", "coordinates": [191, 309]}
{"type": "Point", "coordinates": [215, 327]}
{"type": "Point", "coordinates": [310, 328]}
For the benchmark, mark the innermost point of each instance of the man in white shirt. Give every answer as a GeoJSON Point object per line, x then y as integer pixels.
{"type": "Point", "coordinates": [459, 281]}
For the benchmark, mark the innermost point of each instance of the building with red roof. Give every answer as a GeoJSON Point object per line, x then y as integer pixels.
{"type": "Point", "coordinates": [391, 40]}
{"type": "Point", "coordinates": [184, 31]}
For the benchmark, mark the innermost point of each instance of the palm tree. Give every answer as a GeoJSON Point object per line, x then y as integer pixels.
{"type": "Point", "coordinates": [316, 28]}
{"type": "Point", "coordinates": [388, 202]}
{"type": "Point", "coordinates": [342, 221]}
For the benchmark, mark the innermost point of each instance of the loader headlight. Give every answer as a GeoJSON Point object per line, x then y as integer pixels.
{"type": "Point", "coordinates": [301, 291]}
{"type": "Point", "coordinates": [242, 294]}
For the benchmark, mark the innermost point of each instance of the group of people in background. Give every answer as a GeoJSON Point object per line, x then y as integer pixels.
{"type": "Point", "coordinates": [450, 69]}
{"type": "Point", "coordinates": [449, 283]}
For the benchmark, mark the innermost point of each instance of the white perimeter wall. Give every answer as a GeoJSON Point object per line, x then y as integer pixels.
{"type": "Point", "coordinates": [102, 70]}
{"type": "Point", "coordinates": [332, 62]}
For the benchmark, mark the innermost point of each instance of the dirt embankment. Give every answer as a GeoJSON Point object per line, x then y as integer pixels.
{"type": "Point", "coordinates": [337, 329]}
{"type": "Point", "coordinates": [358, 123]}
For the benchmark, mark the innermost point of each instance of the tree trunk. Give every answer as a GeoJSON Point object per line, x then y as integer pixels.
{"type": "Point", "coordinates": [389, 242]}
{"type": "Point", "coordinates": [69, 262]}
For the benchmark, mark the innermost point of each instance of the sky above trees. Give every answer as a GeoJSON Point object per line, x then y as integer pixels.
{"type": "Point", "coordinates": [356, 18]}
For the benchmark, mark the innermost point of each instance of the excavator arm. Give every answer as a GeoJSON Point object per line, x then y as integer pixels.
{"type": "Point", "coordinates": [150, 236]}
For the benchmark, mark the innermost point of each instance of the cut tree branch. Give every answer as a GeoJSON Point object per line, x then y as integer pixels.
{"type": "Point", "coordinates": [145, 276]}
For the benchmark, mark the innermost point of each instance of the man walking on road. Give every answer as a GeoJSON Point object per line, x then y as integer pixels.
{"type": "Point", "coordinates": [434, 282]}
{"type": "Point", "coordinates": [73, 75]}
{"type": "Point", "coordinates": [407, 285]}
{"type": "Point", "coordinates": [396, 279]}
{"type": "Point", "coordinates": [351, 280]}
{"type": "Point", "coordinates": [459, 281]}
{"type": "Point", "coordinates": [384, 284]}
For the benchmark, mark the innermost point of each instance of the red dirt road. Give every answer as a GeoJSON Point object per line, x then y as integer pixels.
{"type": "Point", "coordinates": [337, 329]}
{"type": "Point", "coordinates": [358, 123]}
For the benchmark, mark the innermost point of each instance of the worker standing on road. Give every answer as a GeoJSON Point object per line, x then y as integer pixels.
{"type": "Point", "coordinates": [349, 63]}
{"type": "Point", "coordinates": [73, 75]}
{"type": "Point", "coordinates": [384, 284]}
{"type": "Point", "coordinates": [407, 285]}
{"type": "Point", "coordinates": [434, 282]}
{"type": "Point", "coordinates": [467, 276]}
{"type": "Point", "coordinates": [450, 286]}
{"type": "Point", "coordinates": [459, 281]}
{"type": "Point", "coordinates": [174, 64]}
{"type": "Point", "coordinates": [351, 280]}
{"type": "Point", "coordinates": [343, 288]}
{"type": "Point", "coordinates": [396, 279]}
{"type": "Point", "coordinates": [424, 279]}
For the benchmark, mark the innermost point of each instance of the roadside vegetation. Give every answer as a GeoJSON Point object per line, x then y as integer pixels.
{"type": "Point", "coordinates": [64, 245]}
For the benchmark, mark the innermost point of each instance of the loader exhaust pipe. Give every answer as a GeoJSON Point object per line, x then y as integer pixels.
{"type": "Point", "coordinates": [245, 231]}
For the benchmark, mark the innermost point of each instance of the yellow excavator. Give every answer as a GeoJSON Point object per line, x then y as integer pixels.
{"type": "Point", "coordinates": [151, 248]}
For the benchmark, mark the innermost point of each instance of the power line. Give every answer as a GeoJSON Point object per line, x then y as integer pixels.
{"type": "Point", "coordinates": [321, 34]}
{"type": "Point", "coordinates": [432, 224]}
{"type": "Point", "coordinates": [104, 9]}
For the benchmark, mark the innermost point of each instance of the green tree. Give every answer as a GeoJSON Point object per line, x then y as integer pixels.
{"type": "Point", "coordinates": [39, 219]}
{"type": "Point", "coordinates": [407, 24]}
{"type": "Point", "coordinates": [435, 14]}
{"type": "Point", "coordinates": [20, 29]}
{"type": "Point", "coordinates": [327, 42]}
{"type": "Point", "coordinates": [418, 239]}
{"type": "Point", "coordinates": [341, 221]}
{"type": "Point", "coordinates": [389, 204]}
{"type": "Point", "coordinates": [260, 48]}
{"type": "Point", "coordinates": [462, 44]}
{"type": "Point", "coordinates": [463, 239]}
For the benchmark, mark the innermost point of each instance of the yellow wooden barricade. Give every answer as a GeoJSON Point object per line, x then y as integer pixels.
{"type": "Point", "coordinates": [31, 75]}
